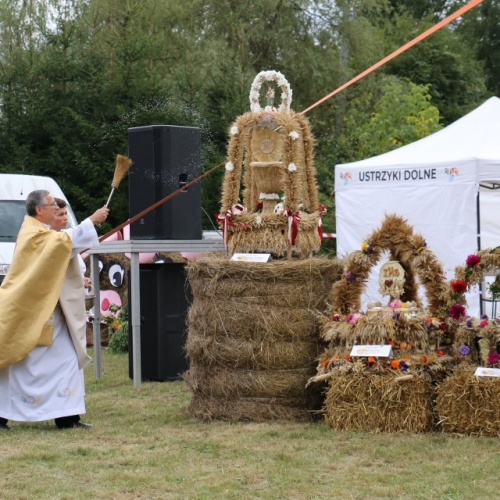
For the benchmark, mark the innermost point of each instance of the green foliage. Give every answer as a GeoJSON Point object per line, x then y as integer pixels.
{"type": "Point", "coordinates": [76, 74]}
{"type": "Point", "coordinates": [118, 343]}
{"type": "Point", "coordinates": [118, 329]}
{"type": "Point", "coordinates": [403, 115]}
{"type": "Point", "coordinates": [479, 29]}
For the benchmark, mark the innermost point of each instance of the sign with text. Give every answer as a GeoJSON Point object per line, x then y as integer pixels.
{"type": "Point", "coordinates": [251, 257]}
{"type": "Point", "coordinates": [487, 372]}
{"type": "Point", "coordinates": [377, 351]}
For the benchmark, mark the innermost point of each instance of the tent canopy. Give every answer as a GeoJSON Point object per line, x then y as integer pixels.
{"type": "Point", "coordinates": [434, 184]}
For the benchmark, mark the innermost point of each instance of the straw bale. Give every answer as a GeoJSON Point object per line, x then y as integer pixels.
{"type": "Point", "coordinates": [250, 409]}
{"type": "Point", "coordinates": [467, 404]}
{"type": "Point", "coordinates": [318, 271]}
{"type": "Point", "coordinates": [283, 283]}
{"type": "Point", "coordinates": [227, 383]}
{"type": "Point", "coordinates": [251, 322]}
{"type": "Point", "coordinates": [379, 403]}
{"type": "Point", "coordinates": [241, 353]}
{"type": "Point", "coordinates": [276, 301]}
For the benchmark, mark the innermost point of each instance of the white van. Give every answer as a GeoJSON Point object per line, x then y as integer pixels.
{"type": "Point", "coordinates": [14, 188]}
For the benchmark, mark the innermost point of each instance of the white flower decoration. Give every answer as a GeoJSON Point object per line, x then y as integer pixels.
{"type": "Point", "coordinates": [279, 208]}
{"type": "Point", "coordinates": [286, 96]}
{"type": "Point", "coordinates": [292, 167]}
{"type": "Point", "coordinates": [294, 135]}
{"type": "Point", "coordinates": [258, 219]}
{"type": "Point", "coordinates": [238, 209]}
{"type": "Point", "coordinates": [234, 130]}
{"type": "Point", "coordinates": [254, 95]}
{"type": "Point", "coordinates": [229, 166]}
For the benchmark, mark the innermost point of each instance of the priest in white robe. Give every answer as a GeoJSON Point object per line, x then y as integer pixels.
{"type": "Point", "coordinates": [42, 332]}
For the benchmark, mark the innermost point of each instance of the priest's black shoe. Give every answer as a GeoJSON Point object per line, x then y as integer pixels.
{"type": "Point", "coordinates": [75, 425]}
{"type": "Point", "coordinates": [82, 425]}
{"type": "Point", "coordinates": [4, 427]}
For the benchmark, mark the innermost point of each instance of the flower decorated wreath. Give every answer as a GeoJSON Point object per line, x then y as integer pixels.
{"type": "Point", "coordinates": [478, 339]}
{"type": "Point", "coordinates": [421, 340]}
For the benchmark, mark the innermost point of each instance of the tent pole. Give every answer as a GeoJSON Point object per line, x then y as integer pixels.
{"type": "Point", "coordinates": [478, 215]}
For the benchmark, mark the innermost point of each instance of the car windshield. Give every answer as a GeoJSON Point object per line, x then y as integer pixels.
{"type": "Point", "coordinates": [12, 214]}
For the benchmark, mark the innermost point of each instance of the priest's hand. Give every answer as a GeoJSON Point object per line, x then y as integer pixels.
{"type": "Point", "coordinates": [100, 215]}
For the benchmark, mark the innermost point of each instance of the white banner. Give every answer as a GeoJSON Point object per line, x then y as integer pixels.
{"type": "Point", "coordinates": [349, 177]}
{"type": "Point", "coordinates": [439, 202]}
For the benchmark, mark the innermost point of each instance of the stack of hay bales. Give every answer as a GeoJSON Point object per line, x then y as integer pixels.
{"type": "Point", "coordinates": [253, 337]}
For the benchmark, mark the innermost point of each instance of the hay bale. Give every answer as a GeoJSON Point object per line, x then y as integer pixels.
{"type": "Point", "coordinates": [228, 383]}
{"type": "Point", "coordinates": [253, 336]}
{"type": "Point", "coordinates": [231, 319]}
{"type": "Point", "coordinates": [254, 355]}
{"type": "Point", "coordinates": [251, 409]}
{"type": "Point", "coordinates": [467, 404]}
{"type": "Point", "coordinates": [379, 403]}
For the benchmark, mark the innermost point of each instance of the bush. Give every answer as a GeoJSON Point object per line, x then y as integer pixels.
{"type": "Point", "coordinates": [118, 330]}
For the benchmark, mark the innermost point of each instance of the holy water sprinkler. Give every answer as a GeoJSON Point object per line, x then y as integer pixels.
{"type": "Point", "coordinates": [121, 168]}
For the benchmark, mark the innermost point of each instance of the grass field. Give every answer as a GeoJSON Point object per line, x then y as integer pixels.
{"type": "Point", "coordinates": [144, 446]}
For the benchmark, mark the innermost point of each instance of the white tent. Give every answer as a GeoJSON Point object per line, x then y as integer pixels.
{"type": "Point", "coordinates": [434, 183]}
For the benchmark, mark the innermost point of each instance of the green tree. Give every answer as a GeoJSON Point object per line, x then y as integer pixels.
{"type": "Point", "coordinates": [403, 114]}
{"type": "Point", "coordinates": [479, 30]}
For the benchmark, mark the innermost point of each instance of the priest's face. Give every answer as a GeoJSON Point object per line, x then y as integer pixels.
{"type": "Point", "coordinates": [46, 211]}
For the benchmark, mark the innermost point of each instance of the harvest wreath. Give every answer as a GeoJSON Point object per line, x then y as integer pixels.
{"type": "Point", "coordinates": [421, 340]}
{"type": "Point", "coordinates": [467, 403]}
{"type": "Point", "coordinates": [478, 339]}
{"type": "Point", "coordinates": [270, 152]}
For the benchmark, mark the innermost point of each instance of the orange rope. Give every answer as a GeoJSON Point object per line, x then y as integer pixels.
{"type": "Point", "coordinates": [417, 39]}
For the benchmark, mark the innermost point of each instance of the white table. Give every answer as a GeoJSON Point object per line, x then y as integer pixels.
{"type": "Point", "coordinates": [134, 248]}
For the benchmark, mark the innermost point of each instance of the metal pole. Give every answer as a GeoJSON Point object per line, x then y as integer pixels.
{"type": "Point", "coordinates": [96, 322]}
{"type": "Point", "coordinates": [478, 223]}
{"type": "Point", "coordinates": [135, 308]}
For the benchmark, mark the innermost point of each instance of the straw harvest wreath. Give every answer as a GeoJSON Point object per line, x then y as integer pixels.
{"type": "Point", "coordinates": [270, 152]}
{"type": "Point", "coordinates": [421, 340]}
{"type": "Point", "coordinates": [478, 339]}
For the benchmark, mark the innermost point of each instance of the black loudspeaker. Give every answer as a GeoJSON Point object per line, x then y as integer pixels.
{"type": "Point", "coordinates": [165, 157]}
{"type": "Point", "coordinates": [165, 299]}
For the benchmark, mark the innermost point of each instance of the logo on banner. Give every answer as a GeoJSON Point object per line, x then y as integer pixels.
{"type": "Point", "coordinates": [452, 172]}
{"type": "Point", "coordinates": [346, 177]}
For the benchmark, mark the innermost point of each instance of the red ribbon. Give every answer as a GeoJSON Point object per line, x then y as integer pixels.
{"type": "Point", "coordinates": [225, 219]}
{"type": "Point", "coordinates": [293, 222]}
{"type": "Point", "coordinates": [322, 211]}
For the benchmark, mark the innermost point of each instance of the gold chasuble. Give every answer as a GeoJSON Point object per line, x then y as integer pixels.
{"type": "Point", "coordinates": [31, 290]}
